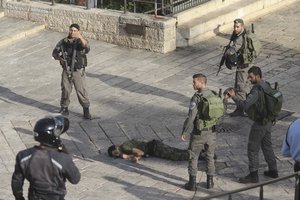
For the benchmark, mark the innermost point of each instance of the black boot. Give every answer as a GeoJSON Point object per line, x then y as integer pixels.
{"type": "Point", "coordinates": [250, 178]}
{"type": "Point", "coordinates": [86, 113]}
{"type": "Point", "coordinates": [64, 111]}
{"type": "Point", "coordinates": [209, 182]}
{"type": "Point", "coordinates": [191, 185]}
{"type": "Point", "coordinates": [271, 173]}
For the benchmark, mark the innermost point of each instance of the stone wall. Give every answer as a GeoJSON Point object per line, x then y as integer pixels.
{"type": "Point", "coordinates": [130, 29]}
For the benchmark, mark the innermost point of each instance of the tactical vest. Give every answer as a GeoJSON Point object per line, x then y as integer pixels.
{"type": "Point", "coordinates": [210, 109]}
{"type": "Point", "coordinates": [251, 47]}
{"type": "Point", "coordinates": [80, 57]}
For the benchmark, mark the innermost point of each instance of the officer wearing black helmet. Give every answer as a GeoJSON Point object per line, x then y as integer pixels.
{"type": "Point", "coordinates": [46, 166]}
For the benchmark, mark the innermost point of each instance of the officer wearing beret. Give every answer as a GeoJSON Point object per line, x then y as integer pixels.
{"type": "Point", "coordinates": [241, 84]}
{"type": "Point", "coordinates": [71, 53]}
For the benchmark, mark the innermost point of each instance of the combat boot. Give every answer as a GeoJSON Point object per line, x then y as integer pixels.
{"type": "Point", "coordinates": [210, 182]}
{"type": "Point", "coordinates": [64, 111]}
{"type": "Point", "coordinates": [191, 185]}
{"type": "Point", "coordinates": [271, 173]}
{"type": "Point", "coordinates": [252, 177]}
{"type": "Point", "coordinates": [86, 113]}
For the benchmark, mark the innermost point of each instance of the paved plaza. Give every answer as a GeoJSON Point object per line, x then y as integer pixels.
{"type": "Point", "coordinates": [137, 94]}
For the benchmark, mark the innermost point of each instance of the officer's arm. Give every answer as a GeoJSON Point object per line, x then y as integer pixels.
{"type": "Point", "coordinates": [72, 173]}
{"type": "Point", "coordinates": [17, 181]}
{"type": "Point", "coordinates": [191, 116]}
{"type": "Point", "coordinates": [251, 99]}
{"type": "Point", "coordinates": [56, 51]}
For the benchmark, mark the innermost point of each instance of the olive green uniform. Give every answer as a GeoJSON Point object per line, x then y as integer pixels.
{"type": "Point", "coordinates": [241, 84]}
{"type": "Point", "coordinates": [199, 137]}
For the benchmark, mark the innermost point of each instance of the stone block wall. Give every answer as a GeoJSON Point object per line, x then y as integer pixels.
{"type": "Point", "coordinates": [130, 29]}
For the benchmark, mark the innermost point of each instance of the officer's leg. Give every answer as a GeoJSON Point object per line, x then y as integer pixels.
{"type": "Point", "coordinates": [196, 145]}
{"type": "Point", "coordinates": [80, 87]}
{"type": "Point", "coordinates": [241, 83]}
{"type": "Point", "coordinates": [66, 89]}
{"type": "Point", "coordinates": [211, 146]}
{"type": "Point", "coordinates": [268, 151]}
{"type": "Point", "coordinates": [255, 137]}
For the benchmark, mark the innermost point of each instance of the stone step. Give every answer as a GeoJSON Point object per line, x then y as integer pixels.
{"type": "Point", "coordinates": [210, 24]}
{"type": "Point", "coordinates": [12, 29]}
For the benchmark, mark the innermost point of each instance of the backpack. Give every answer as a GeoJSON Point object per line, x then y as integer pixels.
{"type": "Point", "coordinates": [210, 109]}
{"type": "Point", "coordinates": [231, 57]}
{"type": "Point", "coordinates": [268, 107]}
{"type": "Point", "coordinates": [273, 101]}
{"type": "Point", "coordinates": [252, 47]}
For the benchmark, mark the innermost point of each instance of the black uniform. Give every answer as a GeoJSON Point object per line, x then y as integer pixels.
{"type": "Point", "coordinates": [46, 169]}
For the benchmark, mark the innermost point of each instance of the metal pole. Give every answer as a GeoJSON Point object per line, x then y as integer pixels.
{"type": "Point", "coordinates": [261, 193]}
{"type": "Point", "coordinates": [125, 5]}
{"type": "Point", "coordinates": [155, 8]}
{"type": "Point", "coordinates": [53, 2]}
{"type": "Point", "coordinates": [297, 187]}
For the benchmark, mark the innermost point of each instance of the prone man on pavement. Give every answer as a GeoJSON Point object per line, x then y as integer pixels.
{"type": "Point", "coordinates": [260, 133]}
{"type": "Point", "coordinates": [134, 150]}
{"type": "Point", "coordinates": [71, 53]}
{"type": "Point", "coordinates": [46, 166]}
{"type": "Point", "coordinates": [291, 146]}
{"type": "Point", "coordinates": [203, 135]}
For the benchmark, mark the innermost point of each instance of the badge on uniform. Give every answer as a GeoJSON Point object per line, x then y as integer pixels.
{"type": "Point", "coordinates": [192, 105]}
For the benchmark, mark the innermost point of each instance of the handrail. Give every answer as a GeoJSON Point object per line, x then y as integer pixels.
{"type": "Point", "coordinates": [229, 193]}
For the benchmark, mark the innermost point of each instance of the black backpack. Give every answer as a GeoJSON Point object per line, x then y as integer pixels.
{"type": "Point", "coordinates": [231, 58]}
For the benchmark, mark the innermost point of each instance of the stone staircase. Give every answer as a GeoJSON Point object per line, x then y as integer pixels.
{"type": "Point", "coordinates": [211, 18]}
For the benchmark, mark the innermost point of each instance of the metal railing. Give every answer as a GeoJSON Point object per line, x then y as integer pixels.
{"type": "Point", "coordinates": [260, 185]}
{"type": "Point", "coordinates": [165, 7]}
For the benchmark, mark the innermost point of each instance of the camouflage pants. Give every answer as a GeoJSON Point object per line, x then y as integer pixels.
{"type": "Point", "coordinates": [197, 143]}
{"type": "Point", "coordinates": [241, 84]}
{"type": "Point", "coordinates": [162, 150]}
{"type": "Point", "coordinates": [260, 137]}
{"type": "Point", "coordinates": [80, 87]}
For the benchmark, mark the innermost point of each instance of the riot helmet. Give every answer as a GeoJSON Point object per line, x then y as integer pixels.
{"type": "Point", "coordinates": [48, 130]}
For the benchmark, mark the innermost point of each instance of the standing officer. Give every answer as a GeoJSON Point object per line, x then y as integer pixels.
{"type": "Point", "coordinates": [201, 137]}
{"type": "Point", "coordinates": [46, 166]}
{"type": "Point", "coordinates": [291, 146]}
{"type": "Point", "coordinates": [71, 53]}
{"type": "Point", "coordinates": [260, 133]}
{"type": "Point", "coordinates": [239, 40]}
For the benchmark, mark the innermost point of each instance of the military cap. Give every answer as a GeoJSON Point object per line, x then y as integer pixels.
{"type": "Point", "coordinates": [239, 21]}
{"type": "Point", "coordinates": [75, 26]}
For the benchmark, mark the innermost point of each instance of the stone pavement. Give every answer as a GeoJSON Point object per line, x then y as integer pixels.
{"type": "Point", "coordinates": [143, 95]}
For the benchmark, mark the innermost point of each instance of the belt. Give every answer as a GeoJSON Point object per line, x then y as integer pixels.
{"type": "Point", "coordinates": [213, 128]}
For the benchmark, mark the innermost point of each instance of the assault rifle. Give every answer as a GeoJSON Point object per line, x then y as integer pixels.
{"type": "Point", "coordinates": [74, 46]}
{"type": "Point", "coordinates": [67, 68]}
{"type": "Point", "coordinates": [225, 48]}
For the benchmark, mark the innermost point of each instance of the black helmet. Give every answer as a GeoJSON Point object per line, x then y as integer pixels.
{"type": "Point", "coordinates": [48, 130]}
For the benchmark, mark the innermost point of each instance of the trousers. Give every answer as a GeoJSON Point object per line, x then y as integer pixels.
{"type": "Point", "coordinates": [197, 142]}
{"type": "Point", "coordinates": [260, 138]}
{"type": "Point", "coordinates": [78, 81]}
{"type": "Point", "coordinates": [241, 84]}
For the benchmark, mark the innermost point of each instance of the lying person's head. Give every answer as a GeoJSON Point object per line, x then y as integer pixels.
{"type": "Point", "coordinates": [114, 151]}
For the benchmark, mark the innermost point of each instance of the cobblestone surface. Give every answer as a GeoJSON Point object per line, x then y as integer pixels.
{"type": "Point", "coordinates": [144, 95]}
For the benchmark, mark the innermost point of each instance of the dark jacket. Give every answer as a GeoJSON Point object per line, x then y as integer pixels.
{"type": "Point", "coordinates": [47, 170]}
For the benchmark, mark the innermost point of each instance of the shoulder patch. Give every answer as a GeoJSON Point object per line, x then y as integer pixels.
{"type": "Point", "coordinates": [192, 105]}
